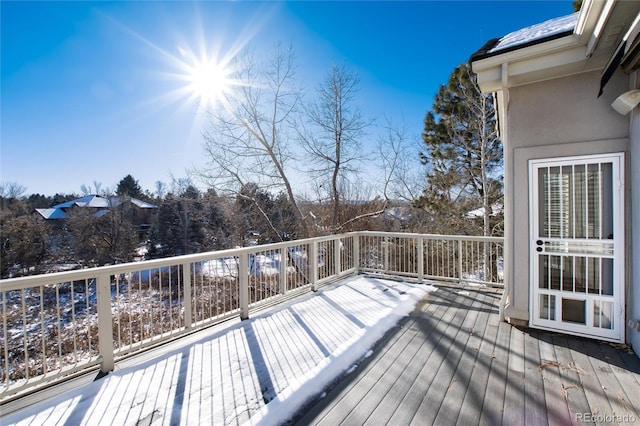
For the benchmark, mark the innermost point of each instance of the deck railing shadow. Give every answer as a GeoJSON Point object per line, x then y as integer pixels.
{"type": "Point", "coordinates": [475, 369]}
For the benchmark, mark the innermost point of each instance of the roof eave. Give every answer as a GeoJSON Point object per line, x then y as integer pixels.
{"type": "Point", "coordinates": [566, 51]}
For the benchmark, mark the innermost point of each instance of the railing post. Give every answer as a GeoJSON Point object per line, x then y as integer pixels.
{"type": "Point", "coordinates": [243, 276]}
{"type": "Point", "coordinates": [356, 253]}
{"type": "Point", "coordinates": [459, 261]}
{"type": "Point", "coordinates": [385, 243]}
{"type": "Point", "coordinates": [420, 259]}
{"type": "Point", "coordinates": [105, 323]}
{"type": "Point", "coordinates": [284, 260]}
{"type": "Point", "coordinates": [188, 298]}
{"type": "Point", "coordinates": [336, 256]}
{"type": "Point", "coordinates": [313, 264]}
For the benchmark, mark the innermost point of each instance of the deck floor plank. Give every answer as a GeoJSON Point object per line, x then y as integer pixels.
{"type": "Point", "coordinates": [451, 406]}
{"type": "Point", "coordinates": [535, 408]}
{"type": "Point", "coordinates": [550, 369]}
{"type": "Point", "coordinates": [434, 331]}
{"type": "Point", "coordinates": [478, 357]}
{"type": "Point", "coordinates": [350, 393]}
{"type": "Point", "coordinates": [493, 404]}
{"type": "Point", "coordinates": [396, 393]}
{"type": "Point", "coordinates": [514, 393]}
{"type": "Point", "coordinates": [451, 348]}
{"type": "Point", "coordinates": [473, 369]}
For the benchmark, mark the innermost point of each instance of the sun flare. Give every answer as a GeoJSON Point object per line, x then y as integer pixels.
{"type": "Point", "coordinates": [209, 82]}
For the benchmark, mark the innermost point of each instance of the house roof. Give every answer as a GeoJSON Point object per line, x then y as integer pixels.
{"type": "Point", "coordinates": [91, 201]}
{"type": "Point", "coordinates": [52, 213]}
{"type": "Point", "coordinates": [581, 42]}
{"type": "Point", "coordinates": [100, 202]}
{"type": "Point", "coordinates": [535, 34]}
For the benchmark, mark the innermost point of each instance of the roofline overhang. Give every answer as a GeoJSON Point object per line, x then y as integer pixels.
{"type": "Point", "coordinates": [568, 52]}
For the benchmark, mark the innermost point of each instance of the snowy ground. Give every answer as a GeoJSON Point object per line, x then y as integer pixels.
{"type": "Point", "coordinates": [259, 371]}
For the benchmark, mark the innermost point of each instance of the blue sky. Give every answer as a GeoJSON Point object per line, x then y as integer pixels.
{"type": "Point", "coordinates": [87, 93]}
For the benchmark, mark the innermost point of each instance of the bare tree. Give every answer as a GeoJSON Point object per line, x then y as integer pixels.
{"type": "Point", "coordinates": [97, 189]}
{"type": "Point", "coordinates": [332, 135]}
{"type": "Point", "coordinates": [248, 138]}
{"type": "Point", "coordinates": [400, 165]}
{"type": "Point", "coordinates": [11, 190]}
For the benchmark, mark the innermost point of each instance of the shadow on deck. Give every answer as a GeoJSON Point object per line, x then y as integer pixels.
{"type": "Point", "coordinates": [452, 362]}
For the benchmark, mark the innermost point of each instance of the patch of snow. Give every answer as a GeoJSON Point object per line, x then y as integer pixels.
{"type": "Point", "coordinates": [537, 32]}
{"type": "Point", "coordinates": [258, 371]}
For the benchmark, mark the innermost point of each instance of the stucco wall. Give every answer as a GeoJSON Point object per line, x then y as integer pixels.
{"type": "Point", "coordinates": [555, 118]}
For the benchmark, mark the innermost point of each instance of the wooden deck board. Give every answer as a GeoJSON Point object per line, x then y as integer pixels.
{"type": "Point", "coordinates": [456, 363]}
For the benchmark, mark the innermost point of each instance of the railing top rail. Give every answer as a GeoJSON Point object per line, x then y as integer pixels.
{"type": "Point", "coordinates": [123, 268]}
{"type": "Point", "coordinates": [432, 236]}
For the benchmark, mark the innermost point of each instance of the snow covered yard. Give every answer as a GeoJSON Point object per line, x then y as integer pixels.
{"type": "Point", "coordinates": [259, 371]}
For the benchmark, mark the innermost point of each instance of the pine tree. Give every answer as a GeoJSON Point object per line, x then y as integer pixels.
{"type": "Point", "coordinates": [128, 186]}
{"type": "Point", "coordinates": [463, 155]}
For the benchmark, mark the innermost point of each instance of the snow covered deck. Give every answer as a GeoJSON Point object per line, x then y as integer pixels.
{"type": "Point", "coordinates": [260, 370]}
{"type": "Point", "coordinates": [363, 350]}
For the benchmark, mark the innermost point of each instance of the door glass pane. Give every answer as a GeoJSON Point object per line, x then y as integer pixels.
{"type": "Point", "coordinates": [607, 201]}
{"type": "Point", "coordinates": [543, 195]}
{"type": "Point", "coordinates": [567, 273]}
{"type": "Point", "coordinates": [580, 201]}
{"type": "Point", "coordinates": [547, 307]}
{"type": "Point", "coordinates": [602, 317]}
{"type": "Point", "coordinates": [556, 271]}
{"type": "Point", "coordinates": [574, 311]}
{"type": "Point", "coordinates": [593, 266]}
{"type": "Point", "coordinates": [607, 277]}
{"type": "Point", "coordinates": [580, 277]}
{"type": "Point", "coordinates": [594, 183]}
{"type": "Point", "coordinates": [543, 275]}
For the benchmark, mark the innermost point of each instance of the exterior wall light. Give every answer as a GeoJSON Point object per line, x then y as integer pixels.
{"type": "Point", "coordinates": [626, 102]}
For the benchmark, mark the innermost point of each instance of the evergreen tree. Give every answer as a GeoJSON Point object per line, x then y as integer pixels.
{"type": "Point", "coordinates": [189, 223]}
{"type": "Point", "coordinates": [463, 155]}
{"type": "Point", "coordinates": [128, 186]}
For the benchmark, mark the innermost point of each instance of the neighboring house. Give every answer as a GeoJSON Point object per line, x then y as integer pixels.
{"type": "Point", "coordinates": [137, 212]}
{"type": "Point", "coordinates": [572, 170]}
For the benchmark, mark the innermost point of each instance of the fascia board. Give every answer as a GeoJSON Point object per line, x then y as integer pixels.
{"type": "Point", "coordinates": [560, 44]}
{"type": "Point", "coordinates": [552, 60]}
{"type": "Point", "coordinates": [588, 18]}
{"type": "Point", "coordinates": [566, 53]}
{"type": "Point", "coordinates": [601, 22]}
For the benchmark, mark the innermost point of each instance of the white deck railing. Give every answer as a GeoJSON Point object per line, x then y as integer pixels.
{"type": "Point", "coordinates": [56, 326]}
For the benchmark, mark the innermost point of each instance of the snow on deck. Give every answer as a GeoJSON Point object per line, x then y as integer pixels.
{"type": "Point", "coordinates": [259, 371]}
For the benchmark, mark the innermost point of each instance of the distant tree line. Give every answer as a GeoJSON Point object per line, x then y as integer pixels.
{"type": "Point", "coordinates": [451, 183]}
{"type": "Point", "coordinates": [187, 220]}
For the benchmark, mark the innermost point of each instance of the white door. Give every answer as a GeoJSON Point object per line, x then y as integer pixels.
{"type": "Point", "coordinates": [577, 246]}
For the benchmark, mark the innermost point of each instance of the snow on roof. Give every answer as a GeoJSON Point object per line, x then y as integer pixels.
{"type": "Point", "coordinates": [100, 202]}
{"type": "Point", "coordinates": [143, 204]}
{"type": "Point", "coordinates": [52, 213]}
{"type": "Point", "coordinates": [537, 33]}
